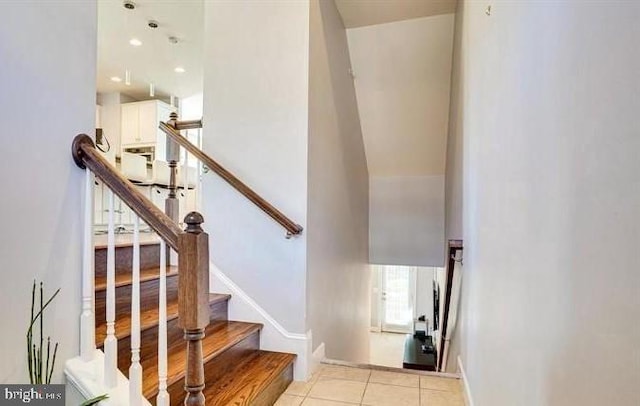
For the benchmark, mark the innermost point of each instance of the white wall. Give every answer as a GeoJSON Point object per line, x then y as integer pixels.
{"type": "Point", "coordinates": [424, 294]}
{"type": "Point", "coordinates": [48, 53]}
{"type": "Point", "coordinates": [256, 78]}
{"type": "Point", "coordinates": [402, 78]}
{"type": "Point", "coordinates": [407, 220]}
{"type": "Point", "coordinates": [548, 118]}
{"type": "Point", "coordinates": [454, 148]}
{"type": "Point", "coordinates": [402, 74]}
{"type": "Point", "coordinates": [337, 227]}
{"type": "Point", "coordinates": [376, 292]}
{"type": "Point", "coordinates": [453, 181]}
{"type": "Point", "coordinates": [110, 118]}
{"type": "Point", "coordinates": [191, 107]}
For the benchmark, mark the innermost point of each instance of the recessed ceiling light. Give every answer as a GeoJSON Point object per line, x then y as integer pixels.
{"type": "Point", "coordinates": [135, 42]}
{"type": "Point", "coordinates": [179, 69]}
{"type": "Point", "coordinates": [116, 79]}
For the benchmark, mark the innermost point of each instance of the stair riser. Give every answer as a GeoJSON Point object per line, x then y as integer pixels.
{"type": "Point", "coordinates": [149, 258]}
{"type": "Point", "coordinates": [149, 297]}
{"type": "Point", "coordinates": [270, 395]}
{"type": "Point", "coordinates": [149, 337]}
{"type": "Point", "coordinates": [220, 365]}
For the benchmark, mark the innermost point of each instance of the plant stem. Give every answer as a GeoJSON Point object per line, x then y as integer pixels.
{"type": "Point", "coordinates": [45, 306]}
{"type": "Point", "coordinates": [46, 371]}
{"type": "Point", "coordinates": [41, 328]}
{"type": "Point", "coordinates": [53, 362]}
{"type": "Point", "coordinates": [40, 373]}
{"type": "Point", "coordinates": [35, 365]}
{"type": "Point", "coordinates": [30, 335]}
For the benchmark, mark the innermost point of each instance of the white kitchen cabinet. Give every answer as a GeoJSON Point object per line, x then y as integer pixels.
{"type": "Point", "coordinates": [140, 125]}
{"type": "Point", "coordinates": [124, 215]}
{"type": "Point", "coordinates": [187, 202]}
{"type": "Point", "coordinates": [158, 196]}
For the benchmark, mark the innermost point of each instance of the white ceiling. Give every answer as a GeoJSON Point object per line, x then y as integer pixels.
{"type": "Point", "coordinates": [154, 61]}
{"type": "Point", "coordinates": [358, 13]}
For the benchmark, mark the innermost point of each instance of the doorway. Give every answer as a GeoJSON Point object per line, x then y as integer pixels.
{"type": "Point", "coordinates": [402, 303]}
{"type": "Point", "coordinates": [398, 298]}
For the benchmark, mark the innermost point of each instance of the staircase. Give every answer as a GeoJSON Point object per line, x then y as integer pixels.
{"type": "Point", "coordinates": [159, 325]}
{"type": "Point", "coordinates": [237, 372]}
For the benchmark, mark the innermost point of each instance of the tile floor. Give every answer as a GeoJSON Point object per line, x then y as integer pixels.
{"type": "Point", "coordinates": [343, 386]}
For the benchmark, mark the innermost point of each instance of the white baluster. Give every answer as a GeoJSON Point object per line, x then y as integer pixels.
{"type": "Point", "coordinates": [110, 341]}
{"type": "Point", "coordinates": [163, 396]}
{"type": "Point", "coordinates": [87, 317]}
{"type": "Point", "coordinates": [185, 181]}
{"type": "Point", "coordinates": [135, 370]}
{"type": "Point", "coordinates": [199, 173]}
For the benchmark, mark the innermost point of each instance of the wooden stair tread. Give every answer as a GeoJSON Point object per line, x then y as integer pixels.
{"type": "Point", "coordinates": [249, 379]}
{"type": "Point", "coordinates": [219, 337]}
{"type": "Point", "coordinates": [148, 319]}
{"type": "Point", "coordinates": [123, 279]}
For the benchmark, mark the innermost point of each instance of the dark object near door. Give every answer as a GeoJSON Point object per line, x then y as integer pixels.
{"type": "Point", "coordinates": [419, 352]}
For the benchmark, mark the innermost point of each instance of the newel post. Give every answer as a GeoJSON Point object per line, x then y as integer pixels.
{"type": "Point", "coordinates": [193, 302]}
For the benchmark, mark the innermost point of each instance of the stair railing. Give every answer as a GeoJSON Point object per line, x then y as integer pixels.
{"type": "Point", "coordinates": [192, 247]}
{"type": "Point", "coordinates": [172, 129]}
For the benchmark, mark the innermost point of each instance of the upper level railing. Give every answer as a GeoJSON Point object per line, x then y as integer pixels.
{"type": "Point", "coordinates": [172, 129]}
{"type": "Point", "coordinates": [192, 247]}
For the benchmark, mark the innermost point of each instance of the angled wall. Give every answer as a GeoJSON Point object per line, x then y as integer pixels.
{"type": "Point", "coordinates": [280, 112]}
{"type": "Point", "coordinates": [402, 78]}
{"type": "Point", "coordinates": [338, 191]}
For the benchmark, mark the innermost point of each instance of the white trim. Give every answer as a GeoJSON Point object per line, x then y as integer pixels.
{"type": "Point", "coordinates": [88, 377]}
{"type": "Point", "coordinates": [468, 400]}
{"type": "Point", "coordinates": [329, 361]}
{"type": "Point", "coordinates": [274, 336]}
{"type": "Point", "coordinates": [238, 293]}
{"type": "Point", "coordinates": [317, 357]}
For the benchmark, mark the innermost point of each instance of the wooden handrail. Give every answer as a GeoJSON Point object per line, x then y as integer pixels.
{"type": "Point", "coordinates": [291, 227]}
{"type": "Point", "coordinates": [86, 155]}
{"type": "Point", "coordinates": [187, 124]}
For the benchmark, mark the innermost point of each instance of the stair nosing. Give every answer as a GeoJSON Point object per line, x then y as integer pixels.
{"type": "Point", "coordinates": [219, 297]}
{"type": "Point", "coordinates": [254, 327]}
{"type": "Point", "coordinates": [272, 377]}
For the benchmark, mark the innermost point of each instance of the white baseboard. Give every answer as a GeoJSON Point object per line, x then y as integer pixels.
{"type": "Point", "coordinates": [317, 357]}
{"type": "Point", "coordinates": [273, 337]}
{"type": "Point", "coordinates": [329, 361]}
{"type": "Point", "coordinates": [468, 399]}
{"type": "Point", "coordinates": [87, 379]}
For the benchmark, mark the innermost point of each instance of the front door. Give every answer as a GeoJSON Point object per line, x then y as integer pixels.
{"type": "Point", "coordinates": [398, 298]}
